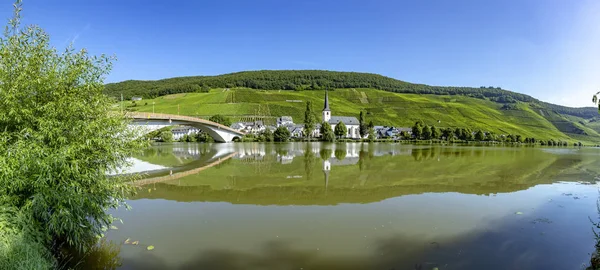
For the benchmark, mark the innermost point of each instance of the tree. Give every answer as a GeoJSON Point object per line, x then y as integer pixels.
{"type": "Point", "coordinates": [327, 133]}
{"type": "Point", "coordinates": [435, 132]}
{"type": "Point", "coordinates": [479, 136]}
{"type": "Point", "coordinates": [309, 120]}
{"type": "Point", "coordinates": [192, 138]}
{"type": "Point", "coordinates": [518, 138]}
{"type": "Point", "coordinates": [281, 134]}
{"type": "Point", "coordinates": [217, 118]}
{"type": "Point", "coordinates": [363, 129]}
{"type": "Point", "coordinates": [417, 130]}
{"type": "Point", "coordinates": [458, 133]}
{"type": "Point", "coordinates": [447, 133]}
{"type": "Point", "coordinates": [372, 136]}
{"type": "Point", "coordinates": [204, 137]}
{"type": "Point", "coordinates": [340, 130]}
{"type": "Point", "coordinates": [205, 88]}
{"type": "Point", "coordinates": [267, 134]}
{"type": "Point", "coordinates": [468, 134]}
{"type": "Point", "coordinates": [165, 136]}
{"type": "Point", "coordinates": [59, 139]}
{"type": "Point", "coordinates": [426, 133]}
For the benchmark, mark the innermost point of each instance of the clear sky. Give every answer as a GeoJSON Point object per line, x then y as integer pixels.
{"type": "Point", "coordinates": [549, 49]}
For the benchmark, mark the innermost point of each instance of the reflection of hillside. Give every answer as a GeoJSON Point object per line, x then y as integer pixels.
{"type": "Point", "coordinates": [319, 179]}
{"type": "Point", "coordinates": [172, 155]}
{"type": "Point", "coordinates": [289, 195]}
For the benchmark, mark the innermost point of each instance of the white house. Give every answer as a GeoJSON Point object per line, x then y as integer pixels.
{"type": "Point", "coordinates": [351, 122]}
{"type": "Point", "coordinates": [180, 131]}
{"type": "Point", "coordinates": [285, 121]}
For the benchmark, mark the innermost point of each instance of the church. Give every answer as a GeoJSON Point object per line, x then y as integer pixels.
{"type": "Point", "coordinates": [351, 122]}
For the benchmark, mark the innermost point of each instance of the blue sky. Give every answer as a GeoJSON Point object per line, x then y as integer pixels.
{"type": "Point", "coordinates": [549, 49]}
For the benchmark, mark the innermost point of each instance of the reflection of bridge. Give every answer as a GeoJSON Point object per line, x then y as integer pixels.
{"type": "Point", "coordinates": [184, 173]}
{"type": "Point", "coordinates": [154, 121]}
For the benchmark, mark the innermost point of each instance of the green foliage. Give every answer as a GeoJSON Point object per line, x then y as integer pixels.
{"type": "Point", "coordinates": [267, 135]}
{"type": "Point", "coordinates": [340, 130]}
{"type": "Point", "coordinates": [385, 108]}
{"type": "Point", "coordinates": [192, 138]}
{"type": "Point", "coordinates": [205, 89]}
{"type": "Point", "coordinates": [302, 79]}
{"type": "Point", "coordinates": [435, 132]}
{"type": "Point", "coordinates": [220, 119]}
{"type": "Point", "coordinates": [21, 247]}
{"type": "Point", "coordinates": [165, 136]}
{"type": "Point", "coordinates": [448, 133]}
{"type": "Point", "coordinates": [340, 154]}
{"type": "Point", "coordinates": [417, 130]}
{"type": "Point", "coordinates": [281, 134]}
{"type": "Point", "coordinates": [479, 136]}
{"type": "Point", "coordinates": [426, 133]}
{"type": "Point", "coordinates": [327, 133]}
{"type": "Point", "coordinates": [325, 153]}
{"type": "Point", "coordinates": [372, 137]}
{"type": "Point", "coordinates": [309, 120]}
{"type": "Point", "coordinates": [362, 125]}
{"type": "Point", "coordinates": [59, 138]}
{"type": "Point", "coordinates": [204, 137]}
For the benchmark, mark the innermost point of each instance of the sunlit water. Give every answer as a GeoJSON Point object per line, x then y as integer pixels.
{"type": "Point", "coordinates": [361, 206]}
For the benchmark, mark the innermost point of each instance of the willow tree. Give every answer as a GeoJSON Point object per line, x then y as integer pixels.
{"type": "Point", "coordinates": [59, 137]}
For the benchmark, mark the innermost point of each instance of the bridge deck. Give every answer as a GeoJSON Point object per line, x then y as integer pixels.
{"type": "Point", "coordinates": [174, 117]}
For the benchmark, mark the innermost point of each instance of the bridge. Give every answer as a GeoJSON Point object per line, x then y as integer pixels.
{"type": "Point", "coordinates": [154, 121]}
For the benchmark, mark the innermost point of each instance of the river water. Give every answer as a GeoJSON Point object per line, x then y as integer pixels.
{"type": "Point", "coordinates": [360, 206]}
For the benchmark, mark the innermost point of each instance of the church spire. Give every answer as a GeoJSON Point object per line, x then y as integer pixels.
{"type": "Point", "coordinates": [326, 107]}
{"type": "Point", "coordinates": [326, 111]}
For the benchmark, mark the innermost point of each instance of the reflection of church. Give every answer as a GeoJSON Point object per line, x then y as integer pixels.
{"type": "Point", "coordinates": [326, 170]}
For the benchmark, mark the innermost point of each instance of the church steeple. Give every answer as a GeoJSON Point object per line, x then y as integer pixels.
{"type": "Point", "coordinates": [326, 107]}
{"type": "Point", "coordinates": [326, 110]}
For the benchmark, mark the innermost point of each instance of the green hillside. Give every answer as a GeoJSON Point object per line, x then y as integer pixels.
{"type": "Point", "coordinates": [269, 94]}
{"type": "Point", "coordinates": [383, 108]}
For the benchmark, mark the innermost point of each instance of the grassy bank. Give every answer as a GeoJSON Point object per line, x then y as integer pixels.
{"type": "Point", "coordinates": [21, 248]}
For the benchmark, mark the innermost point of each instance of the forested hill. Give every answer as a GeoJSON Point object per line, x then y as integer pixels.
{"type": "Point", "coordinates": [319, 80]}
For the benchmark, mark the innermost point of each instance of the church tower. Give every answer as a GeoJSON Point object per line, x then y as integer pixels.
{"type": "Point", "coordinates": [326, 110]}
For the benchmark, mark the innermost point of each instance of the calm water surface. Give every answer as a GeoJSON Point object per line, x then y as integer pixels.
{"type": "Point", "coordinates": [360, 206]}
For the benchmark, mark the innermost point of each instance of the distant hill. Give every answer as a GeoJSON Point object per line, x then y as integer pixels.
{"type": "Point", "coordinates": [388, 101]}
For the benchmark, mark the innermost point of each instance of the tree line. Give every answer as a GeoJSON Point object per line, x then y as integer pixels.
{"type": "Point", "coordinates": [421, 131]}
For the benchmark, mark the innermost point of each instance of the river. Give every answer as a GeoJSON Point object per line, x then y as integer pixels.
{"type": "Point", "coordinates": [360, 206]}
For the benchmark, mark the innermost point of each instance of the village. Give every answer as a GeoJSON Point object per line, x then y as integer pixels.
{"type": "Point", "coordinates": [297, 130]}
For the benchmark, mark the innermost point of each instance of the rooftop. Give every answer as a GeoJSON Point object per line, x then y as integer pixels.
{"type": "Point", "coordinates": [347, 120]}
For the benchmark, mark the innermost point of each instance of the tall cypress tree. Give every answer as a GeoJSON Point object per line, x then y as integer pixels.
{"type": "Point", "coordinates": [309, 120]}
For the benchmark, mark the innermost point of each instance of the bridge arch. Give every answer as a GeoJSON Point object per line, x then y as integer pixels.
{"type": "Point", "coordinates": [154, 121]}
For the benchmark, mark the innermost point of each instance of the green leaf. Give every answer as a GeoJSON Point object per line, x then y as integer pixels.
{"type": "Point", "coordinates": [150, 248]}
{"type": "Point", "coordinates": [113, 227]}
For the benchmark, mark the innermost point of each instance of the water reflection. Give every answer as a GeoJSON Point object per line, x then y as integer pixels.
{"type": "Point", "coordinates": [362, 206]}
{"type": "Point", "coordinates": [354, 172]}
